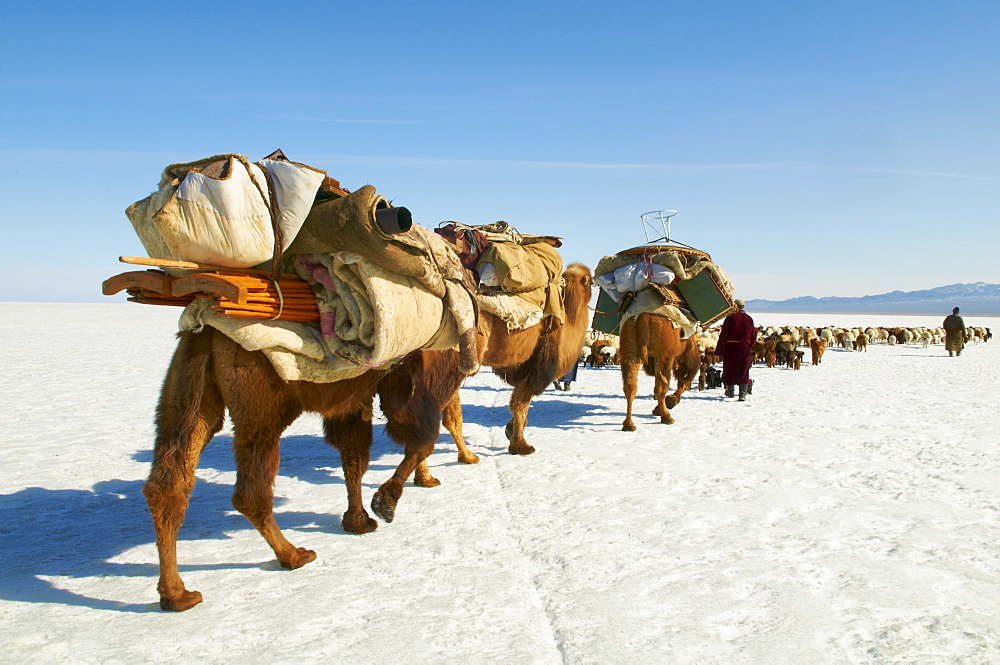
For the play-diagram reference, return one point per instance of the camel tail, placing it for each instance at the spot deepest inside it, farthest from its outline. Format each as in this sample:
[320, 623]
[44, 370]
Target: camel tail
[415, 392]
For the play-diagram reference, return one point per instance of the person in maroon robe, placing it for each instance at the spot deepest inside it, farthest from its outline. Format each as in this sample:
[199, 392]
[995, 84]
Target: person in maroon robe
[735, 343]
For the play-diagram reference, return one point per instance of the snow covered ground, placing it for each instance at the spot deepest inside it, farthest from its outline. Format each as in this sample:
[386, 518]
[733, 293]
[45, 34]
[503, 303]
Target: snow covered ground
[847, 513]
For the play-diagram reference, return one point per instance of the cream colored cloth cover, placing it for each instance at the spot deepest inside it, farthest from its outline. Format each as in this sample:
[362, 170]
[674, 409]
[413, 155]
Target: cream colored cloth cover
[296, 350]
[514, 310]
[226, 221]
[648, 302]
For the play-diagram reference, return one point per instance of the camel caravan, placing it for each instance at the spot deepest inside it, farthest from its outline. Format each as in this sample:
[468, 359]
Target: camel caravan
[298, 295]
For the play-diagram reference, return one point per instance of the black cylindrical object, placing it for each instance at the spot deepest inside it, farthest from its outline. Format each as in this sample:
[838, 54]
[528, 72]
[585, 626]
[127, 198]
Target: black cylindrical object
[393, 220]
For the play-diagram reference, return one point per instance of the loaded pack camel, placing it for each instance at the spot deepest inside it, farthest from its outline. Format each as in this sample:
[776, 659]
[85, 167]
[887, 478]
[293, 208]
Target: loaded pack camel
[210, 374]
[653, 343]
[529, 360]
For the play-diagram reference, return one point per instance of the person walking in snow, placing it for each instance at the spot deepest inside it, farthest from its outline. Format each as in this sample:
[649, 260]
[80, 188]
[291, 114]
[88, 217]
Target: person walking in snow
[954, 330]
[735, 346]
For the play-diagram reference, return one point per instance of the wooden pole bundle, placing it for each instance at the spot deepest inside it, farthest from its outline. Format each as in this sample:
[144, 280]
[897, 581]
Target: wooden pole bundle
[247, 293]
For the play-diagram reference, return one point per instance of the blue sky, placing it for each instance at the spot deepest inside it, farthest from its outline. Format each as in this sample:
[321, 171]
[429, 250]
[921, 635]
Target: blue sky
[813, 148]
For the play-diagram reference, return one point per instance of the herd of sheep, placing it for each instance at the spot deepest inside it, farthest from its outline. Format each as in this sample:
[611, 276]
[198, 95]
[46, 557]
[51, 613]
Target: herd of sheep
[602, 348]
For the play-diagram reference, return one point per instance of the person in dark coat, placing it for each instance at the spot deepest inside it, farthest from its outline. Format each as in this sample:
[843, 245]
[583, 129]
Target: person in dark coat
[735, 346]
[570, 377]
[954, 333]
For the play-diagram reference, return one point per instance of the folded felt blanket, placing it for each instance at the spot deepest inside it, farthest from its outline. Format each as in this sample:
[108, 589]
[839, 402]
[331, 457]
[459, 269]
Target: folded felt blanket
[372, 288]
[370, 315]
[532, 272]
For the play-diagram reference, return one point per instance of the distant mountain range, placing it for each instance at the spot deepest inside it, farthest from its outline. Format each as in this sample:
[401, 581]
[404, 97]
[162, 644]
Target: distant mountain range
[979, 299]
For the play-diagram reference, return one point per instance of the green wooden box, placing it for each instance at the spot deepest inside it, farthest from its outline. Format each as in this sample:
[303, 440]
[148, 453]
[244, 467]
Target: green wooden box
[704, 297]
[607, 317]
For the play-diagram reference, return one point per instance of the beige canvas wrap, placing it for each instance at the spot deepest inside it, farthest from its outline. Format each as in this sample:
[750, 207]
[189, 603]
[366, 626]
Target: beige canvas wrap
[224, 221]
[295, 350]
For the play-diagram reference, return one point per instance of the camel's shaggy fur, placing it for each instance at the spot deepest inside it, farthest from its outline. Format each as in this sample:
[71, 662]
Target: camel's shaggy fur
[210, 374]
[654, 343]
[529, 360]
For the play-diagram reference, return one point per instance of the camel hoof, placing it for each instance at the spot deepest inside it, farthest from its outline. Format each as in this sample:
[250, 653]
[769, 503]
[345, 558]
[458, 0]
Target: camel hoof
[425, 481]
[656, 410]
[301, 557]
[383, 506]
[186, 601]
[508, 429]
[468, 459]
[667, 420]
[628, 427]
[672, 401]
[520, 449]
[359, 523]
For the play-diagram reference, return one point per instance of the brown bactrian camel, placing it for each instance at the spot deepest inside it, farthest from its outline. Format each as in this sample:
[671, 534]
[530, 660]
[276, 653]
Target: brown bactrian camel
[529, 360]
[652, 342]
[210, 374]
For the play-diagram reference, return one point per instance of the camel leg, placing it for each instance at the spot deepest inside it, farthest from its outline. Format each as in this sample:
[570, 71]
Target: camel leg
[422, 476]
[520, 402]
[257, 458]
[660, 388]
[189, 414]
[387, 497]
[167, 491]
[630, 385]
[351, 434]
[451, 418]
[415, 424]
[684, 373]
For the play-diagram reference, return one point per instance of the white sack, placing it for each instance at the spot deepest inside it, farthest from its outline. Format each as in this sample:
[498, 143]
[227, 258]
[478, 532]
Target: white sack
[634, 277]
[224, 221]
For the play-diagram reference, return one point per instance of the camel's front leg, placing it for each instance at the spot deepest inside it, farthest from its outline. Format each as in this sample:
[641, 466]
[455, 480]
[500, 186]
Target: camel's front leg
[520, 402]
[387, 497]
[351, 434]
[682, 387]
[451, 418]
[413, 422]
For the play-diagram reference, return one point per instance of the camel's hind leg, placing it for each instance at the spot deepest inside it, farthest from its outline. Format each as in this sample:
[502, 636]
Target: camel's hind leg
[451, 417]
[520, 402]
[257, 456]
[630, 386]
[661, 387]
[260, 408]
[189, 413]
[351, 434]
[685, 369]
